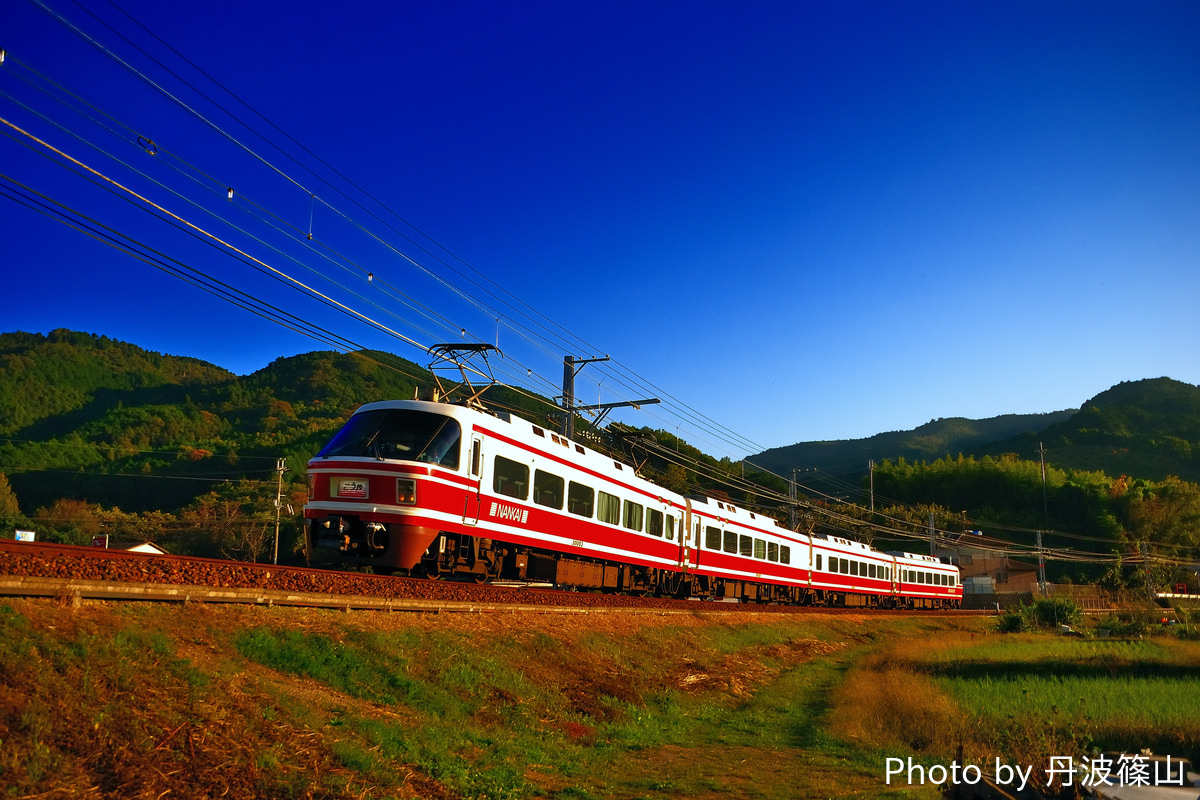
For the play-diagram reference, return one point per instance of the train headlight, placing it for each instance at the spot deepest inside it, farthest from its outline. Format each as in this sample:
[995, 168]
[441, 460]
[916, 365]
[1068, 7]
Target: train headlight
[406, 491]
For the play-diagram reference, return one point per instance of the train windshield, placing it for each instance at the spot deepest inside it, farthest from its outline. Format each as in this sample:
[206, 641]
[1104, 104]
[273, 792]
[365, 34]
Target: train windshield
[398, 433]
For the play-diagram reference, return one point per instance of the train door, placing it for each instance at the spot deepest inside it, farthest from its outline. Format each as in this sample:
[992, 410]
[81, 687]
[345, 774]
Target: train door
[812, 560]
[686, 539]
[475, 487]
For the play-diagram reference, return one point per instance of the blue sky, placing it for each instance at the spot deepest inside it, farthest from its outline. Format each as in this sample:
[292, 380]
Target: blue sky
[791, 221]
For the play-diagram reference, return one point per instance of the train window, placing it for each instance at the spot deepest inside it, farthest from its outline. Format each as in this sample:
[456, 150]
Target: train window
[746, 545]
[870, 570]
[712, 538]
[608, 508]
[511, 478]
[845, 566]
[633, 515]
[548, 489]
[730, 542]
[476, 456]
[398, 433]
[654, 522]
[772, 551]
[953, 581]
[579, 499]
[785, 554]
[670, 528]
[818, 560]
[833, 564]
[854, 567]
[760, 548]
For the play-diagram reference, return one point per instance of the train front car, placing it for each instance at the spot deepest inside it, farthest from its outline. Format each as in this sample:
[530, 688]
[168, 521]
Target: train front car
[386, 485]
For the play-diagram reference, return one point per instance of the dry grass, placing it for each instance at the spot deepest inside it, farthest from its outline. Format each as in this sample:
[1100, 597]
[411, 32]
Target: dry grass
[895, 708]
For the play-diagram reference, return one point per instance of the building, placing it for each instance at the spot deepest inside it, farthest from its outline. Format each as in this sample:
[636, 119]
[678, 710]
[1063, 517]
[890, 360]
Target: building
[987, 567]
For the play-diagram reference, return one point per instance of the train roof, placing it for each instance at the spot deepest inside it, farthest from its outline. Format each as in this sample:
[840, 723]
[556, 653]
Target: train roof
[532, 433]
[918, 557]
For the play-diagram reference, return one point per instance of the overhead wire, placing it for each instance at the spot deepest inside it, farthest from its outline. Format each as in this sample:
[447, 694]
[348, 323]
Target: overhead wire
[386, 286]
[501, 294]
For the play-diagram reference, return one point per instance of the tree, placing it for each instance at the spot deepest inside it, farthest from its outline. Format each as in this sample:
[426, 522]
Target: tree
[70, 521]
[10, 510]
[240, 518]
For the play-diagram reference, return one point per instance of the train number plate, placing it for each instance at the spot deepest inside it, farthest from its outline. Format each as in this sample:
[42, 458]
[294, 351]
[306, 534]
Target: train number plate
[354, 488]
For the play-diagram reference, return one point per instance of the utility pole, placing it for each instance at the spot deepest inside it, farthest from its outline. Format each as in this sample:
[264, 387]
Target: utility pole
[569, 407]
[1146, 562]
[1041, 565]
[792, 505]
[280, 467]
[569, 372]
[932, 536]
[1042, 453]
[871, 470]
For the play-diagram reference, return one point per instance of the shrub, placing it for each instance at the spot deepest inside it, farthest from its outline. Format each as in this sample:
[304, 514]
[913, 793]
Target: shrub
[1050, 612]
[1015, 620]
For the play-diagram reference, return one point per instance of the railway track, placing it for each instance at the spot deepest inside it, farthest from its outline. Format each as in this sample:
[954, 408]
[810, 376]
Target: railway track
[74, 574]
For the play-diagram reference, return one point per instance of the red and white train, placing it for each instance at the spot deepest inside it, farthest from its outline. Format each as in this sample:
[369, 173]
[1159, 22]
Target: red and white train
[436, 489]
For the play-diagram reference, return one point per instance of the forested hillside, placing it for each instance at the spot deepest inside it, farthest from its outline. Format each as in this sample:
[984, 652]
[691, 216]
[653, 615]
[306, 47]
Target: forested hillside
[1119, 474]
[831, 466]
[1148, 428]
[107, 422]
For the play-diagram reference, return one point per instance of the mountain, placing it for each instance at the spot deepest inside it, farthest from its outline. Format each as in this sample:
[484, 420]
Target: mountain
[1148, 428]
[833, 467]
[67, 373]
[90, 418]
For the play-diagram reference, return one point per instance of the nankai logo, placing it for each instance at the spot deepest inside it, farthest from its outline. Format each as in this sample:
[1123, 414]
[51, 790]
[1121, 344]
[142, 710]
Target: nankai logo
[348, 487]
[509, 513]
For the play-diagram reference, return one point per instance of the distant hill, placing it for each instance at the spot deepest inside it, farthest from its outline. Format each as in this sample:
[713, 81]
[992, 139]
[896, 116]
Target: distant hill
[1149, 429]
[91, 418]
[833, 467]
[66, 373]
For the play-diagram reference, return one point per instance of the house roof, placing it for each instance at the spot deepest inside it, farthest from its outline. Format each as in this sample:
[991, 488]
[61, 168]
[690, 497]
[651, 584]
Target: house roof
[138, 547]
